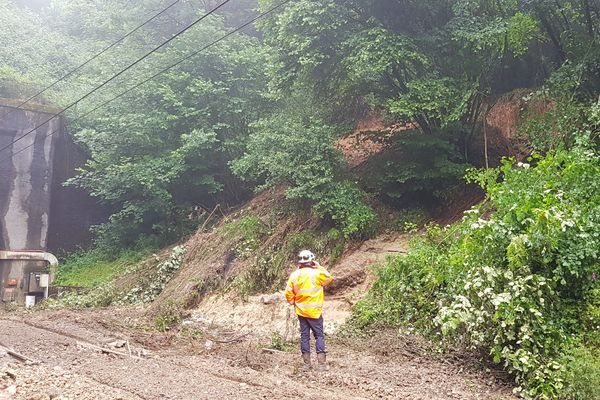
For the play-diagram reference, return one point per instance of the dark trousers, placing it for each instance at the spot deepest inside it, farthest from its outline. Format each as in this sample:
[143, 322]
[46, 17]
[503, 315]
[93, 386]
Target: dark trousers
[316, 326]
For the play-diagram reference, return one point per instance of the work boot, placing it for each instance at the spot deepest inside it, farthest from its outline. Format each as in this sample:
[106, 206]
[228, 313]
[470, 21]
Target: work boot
[306, 358]
[322, 359]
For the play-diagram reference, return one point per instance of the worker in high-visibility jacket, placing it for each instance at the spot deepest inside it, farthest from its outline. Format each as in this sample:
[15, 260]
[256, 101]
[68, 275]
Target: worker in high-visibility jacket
[305, 292]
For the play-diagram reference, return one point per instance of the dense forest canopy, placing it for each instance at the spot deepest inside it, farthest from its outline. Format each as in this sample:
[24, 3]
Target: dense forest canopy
[306, 76]
[266, 106]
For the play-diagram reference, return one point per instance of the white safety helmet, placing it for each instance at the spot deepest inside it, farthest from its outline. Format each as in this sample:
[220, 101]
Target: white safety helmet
[306, 257]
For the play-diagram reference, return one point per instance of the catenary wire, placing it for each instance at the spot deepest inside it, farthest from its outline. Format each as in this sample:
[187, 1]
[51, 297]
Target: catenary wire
[269, 11]
[148, 54]
[94, 57]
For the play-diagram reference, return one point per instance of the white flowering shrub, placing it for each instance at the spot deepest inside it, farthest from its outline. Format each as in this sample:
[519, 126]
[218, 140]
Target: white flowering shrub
[151, 288]
[519, 283]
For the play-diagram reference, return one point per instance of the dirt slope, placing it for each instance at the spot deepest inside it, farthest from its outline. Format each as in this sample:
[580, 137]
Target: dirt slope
[266, 313]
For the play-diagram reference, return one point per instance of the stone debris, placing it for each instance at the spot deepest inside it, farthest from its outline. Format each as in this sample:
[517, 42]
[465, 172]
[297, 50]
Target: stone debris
[3, 358]
[117, 344]
[37, 382]
[274, 298]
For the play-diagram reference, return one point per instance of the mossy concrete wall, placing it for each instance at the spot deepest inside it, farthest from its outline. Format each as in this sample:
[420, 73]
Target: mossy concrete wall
[26, 168]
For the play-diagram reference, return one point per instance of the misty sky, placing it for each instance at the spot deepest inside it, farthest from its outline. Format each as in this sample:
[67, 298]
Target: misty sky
[32, 3]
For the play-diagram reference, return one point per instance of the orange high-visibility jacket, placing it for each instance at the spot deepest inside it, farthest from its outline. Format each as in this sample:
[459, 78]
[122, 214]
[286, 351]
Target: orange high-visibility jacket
[305, 290]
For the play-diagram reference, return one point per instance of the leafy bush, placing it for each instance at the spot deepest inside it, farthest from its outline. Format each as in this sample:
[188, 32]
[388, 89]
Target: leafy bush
[409, 288]
[290, 150]
[546, 131]
[303, 240]
[150, 287]
[346, 204]
[409, 220]
[444, 100]
[518, 284]
[418, 168]
[169, 315]
[583, 374]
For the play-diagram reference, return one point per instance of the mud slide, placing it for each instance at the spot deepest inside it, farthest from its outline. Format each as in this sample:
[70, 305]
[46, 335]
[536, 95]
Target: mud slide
[105, 354]
[268, 313]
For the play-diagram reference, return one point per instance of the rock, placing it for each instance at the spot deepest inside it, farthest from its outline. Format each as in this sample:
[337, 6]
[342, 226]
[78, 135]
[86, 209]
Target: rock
[272, 298]
[117, 344]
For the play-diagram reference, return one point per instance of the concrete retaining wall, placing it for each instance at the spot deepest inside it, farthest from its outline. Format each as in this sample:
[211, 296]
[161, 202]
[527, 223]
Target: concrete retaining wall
[26, 177]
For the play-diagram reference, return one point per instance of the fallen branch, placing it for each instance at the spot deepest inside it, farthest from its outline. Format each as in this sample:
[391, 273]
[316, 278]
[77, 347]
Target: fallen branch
[108, 351]
[19, 356]
[218, 206]
[232, 340]
[274, 351]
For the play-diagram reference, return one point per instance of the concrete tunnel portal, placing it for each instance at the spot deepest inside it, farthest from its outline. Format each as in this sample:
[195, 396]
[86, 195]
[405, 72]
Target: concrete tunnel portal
[38, 215]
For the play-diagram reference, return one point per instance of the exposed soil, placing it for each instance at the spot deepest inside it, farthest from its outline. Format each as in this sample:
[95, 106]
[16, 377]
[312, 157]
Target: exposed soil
[502, 117]
[369, 138]
[185, 366]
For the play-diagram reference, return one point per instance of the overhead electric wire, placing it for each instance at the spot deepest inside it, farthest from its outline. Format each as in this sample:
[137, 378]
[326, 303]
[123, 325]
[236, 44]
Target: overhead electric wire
[94, 57]
[148, 54]
[269, 11]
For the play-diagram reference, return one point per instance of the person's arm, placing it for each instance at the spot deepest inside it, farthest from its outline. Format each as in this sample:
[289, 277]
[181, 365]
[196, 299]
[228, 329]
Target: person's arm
[289, 291]
[324, 277]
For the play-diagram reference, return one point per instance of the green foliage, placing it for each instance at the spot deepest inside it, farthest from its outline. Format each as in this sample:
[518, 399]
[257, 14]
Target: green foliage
[518, 284]
[408, 289]
[96, 267]
[418, 168]
[409, 220]
[565, 123]
[303, 240]
[37, 53]
[278, 342]
[151, 285]
[494, 28]
[346, 204]
[443, 100]
[251, 229]
[286, 149]
[299, 153]
[583, 373]
[169, 315]
[147, 279]
[142, 159]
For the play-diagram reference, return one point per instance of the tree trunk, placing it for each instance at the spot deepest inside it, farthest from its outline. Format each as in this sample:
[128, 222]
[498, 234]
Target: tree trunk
[553, 37]
[423, 124]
